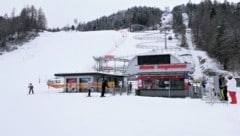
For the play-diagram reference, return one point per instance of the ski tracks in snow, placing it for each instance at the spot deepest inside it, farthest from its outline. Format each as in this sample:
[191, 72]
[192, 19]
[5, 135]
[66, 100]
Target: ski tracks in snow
[119, 42]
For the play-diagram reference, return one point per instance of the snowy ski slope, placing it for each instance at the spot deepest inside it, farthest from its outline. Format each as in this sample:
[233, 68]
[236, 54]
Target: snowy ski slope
[49, 113]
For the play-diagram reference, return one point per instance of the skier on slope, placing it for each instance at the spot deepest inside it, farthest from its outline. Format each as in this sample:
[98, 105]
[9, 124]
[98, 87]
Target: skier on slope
[30, 86]
[104, 85]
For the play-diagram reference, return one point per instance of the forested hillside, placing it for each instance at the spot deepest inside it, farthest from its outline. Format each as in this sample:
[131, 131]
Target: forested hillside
[144, 16]
[19, 29]
[216, 29]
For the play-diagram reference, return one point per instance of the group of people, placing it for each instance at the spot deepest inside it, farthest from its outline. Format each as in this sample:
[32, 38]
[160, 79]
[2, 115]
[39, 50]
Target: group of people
[104, 86]
[89, 87]
[225, 85]
[228, 85]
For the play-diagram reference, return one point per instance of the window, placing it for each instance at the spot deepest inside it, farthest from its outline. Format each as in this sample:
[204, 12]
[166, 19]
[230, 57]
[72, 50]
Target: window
[177, 84]
[84, 80]
[153, 59]
[164, 83]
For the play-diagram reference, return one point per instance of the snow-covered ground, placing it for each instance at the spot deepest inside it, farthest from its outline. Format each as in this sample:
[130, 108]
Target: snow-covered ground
[58, 114]
[49, 113]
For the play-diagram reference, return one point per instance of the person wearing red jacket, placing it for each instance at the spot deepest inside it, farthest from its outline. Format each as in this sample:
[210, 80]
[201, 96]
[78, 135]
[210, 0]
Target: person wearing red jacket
[232, 89]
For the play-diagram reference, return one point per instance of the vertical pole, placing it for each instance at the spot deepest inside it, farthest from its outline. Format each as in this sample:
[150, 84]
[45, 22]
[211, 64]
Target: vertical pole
[165, 39]
[114, 66]
[169, 93]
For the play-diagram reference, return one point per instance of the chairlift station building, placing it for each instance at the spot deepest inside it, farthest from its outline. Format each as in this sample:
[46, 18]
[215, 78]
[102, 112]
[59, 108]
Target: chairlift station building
[160, 75]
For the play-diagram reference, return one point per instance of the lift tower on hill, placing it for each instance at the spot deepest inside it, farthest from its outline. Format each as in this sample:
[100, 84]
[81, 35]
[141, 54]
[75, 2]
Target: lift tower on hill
[111, 64]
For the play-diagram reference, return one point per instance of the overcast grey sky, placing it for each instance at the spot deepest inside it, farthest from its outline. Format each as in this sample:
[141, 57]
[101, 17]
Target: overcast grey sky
[62, 12]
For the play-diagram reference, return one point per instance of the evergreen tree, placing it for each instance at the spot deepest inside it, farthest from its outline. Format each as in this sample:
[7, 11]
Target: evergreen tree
[41, 20]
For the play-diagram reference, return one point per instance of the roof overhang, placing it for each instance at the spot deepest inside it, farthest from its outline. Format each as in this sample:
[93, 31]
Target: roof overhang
[87, 74]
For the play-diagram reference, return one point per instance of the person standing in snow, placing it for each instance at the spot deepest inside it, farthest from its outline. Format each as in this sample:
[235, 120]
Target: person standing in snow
[30, 86]
[104, 85]
[89, 87]
[223, 88]
[232, 89]
[129, 87]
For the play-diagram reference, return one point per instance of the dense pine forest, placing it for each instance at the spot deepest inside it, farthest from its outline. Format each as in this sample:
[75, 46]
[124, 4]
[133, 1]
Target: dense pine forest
[216, 29]
[141, 16]
[15, 30]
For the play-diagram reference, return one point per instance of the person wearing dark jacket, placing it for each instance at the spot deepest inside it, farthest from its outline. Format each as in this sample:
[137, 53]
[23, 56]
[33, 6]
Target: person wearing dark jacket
[223, 88]
[30, 86]
[104, 85]
[129, 88]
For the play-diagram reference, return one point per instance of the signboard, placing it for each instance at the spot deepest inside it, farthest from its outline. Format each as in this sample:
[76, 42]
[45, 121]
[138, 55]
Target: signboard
[71, 80]
[108, 56]
[163, 66]
[107, 68]
[144, 77]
